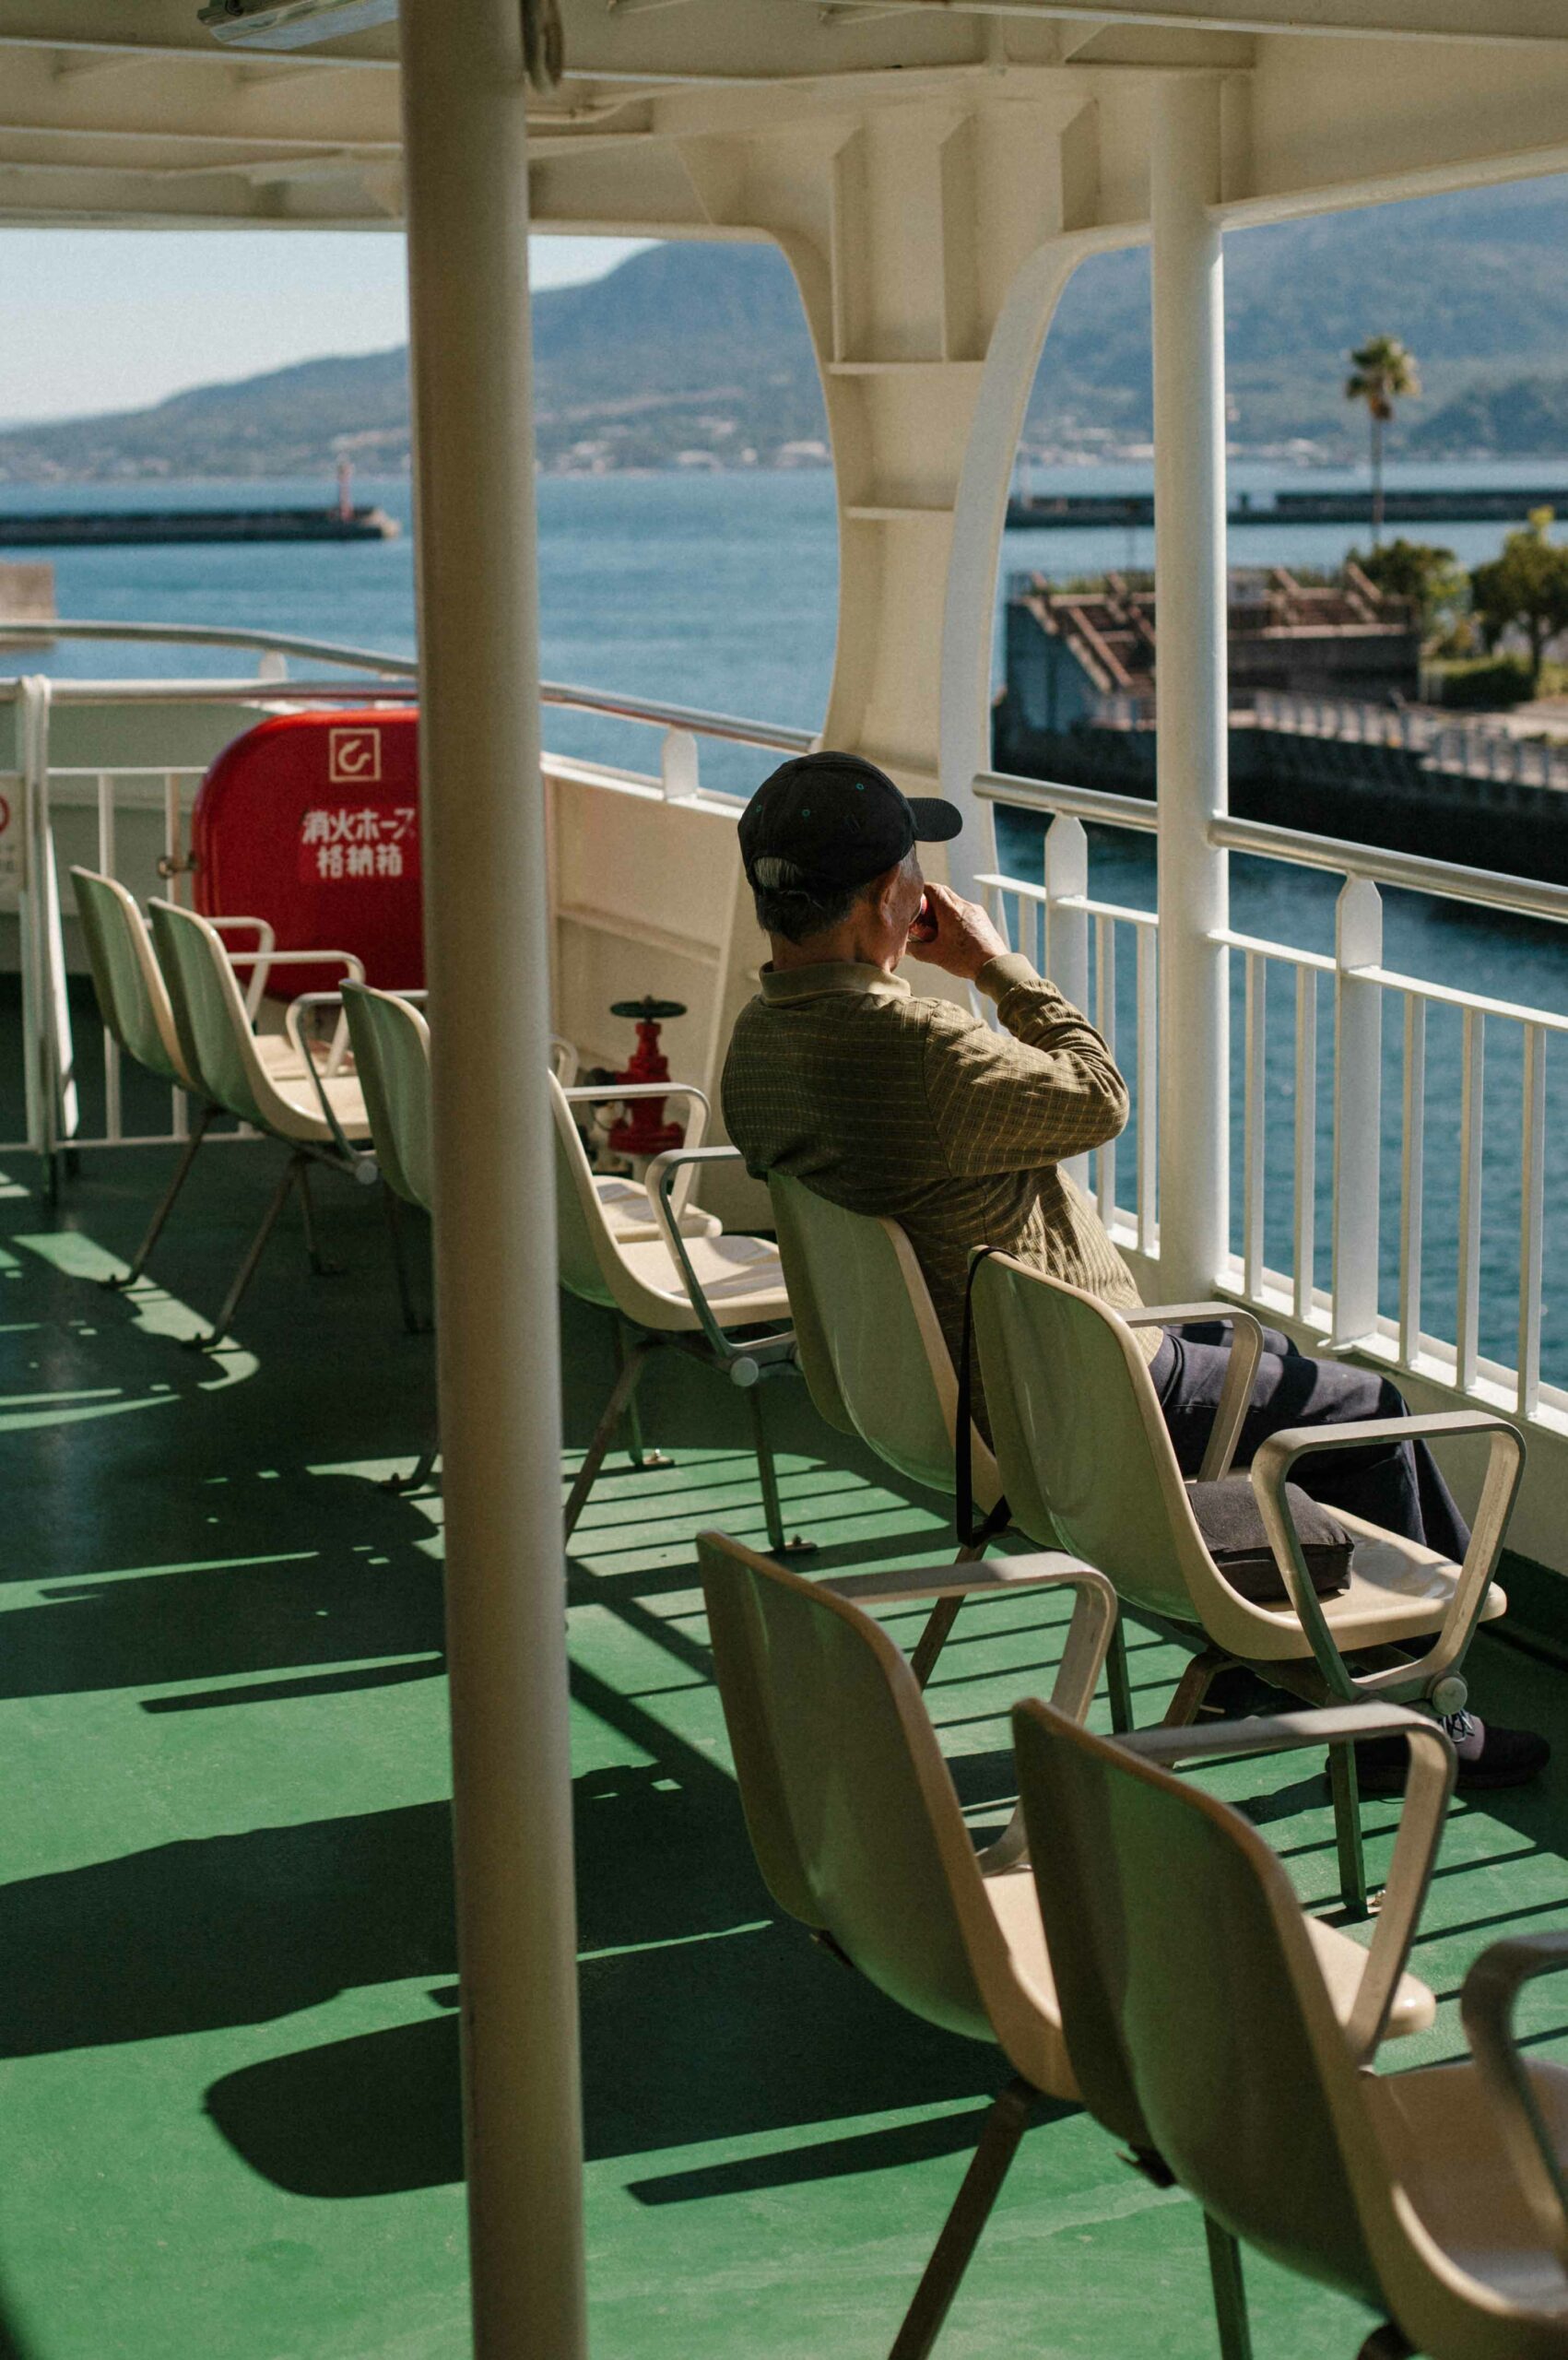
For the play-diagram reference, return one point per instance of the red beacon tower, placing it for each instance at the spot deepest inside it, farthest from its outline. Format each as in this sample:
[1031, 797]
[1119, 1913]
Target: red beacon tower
[642, 1130]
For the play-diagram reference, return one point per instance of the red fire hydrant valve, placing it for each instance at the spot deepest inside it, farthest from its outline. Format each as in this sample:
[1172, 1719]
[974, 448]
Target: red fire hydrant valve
[642, 1130]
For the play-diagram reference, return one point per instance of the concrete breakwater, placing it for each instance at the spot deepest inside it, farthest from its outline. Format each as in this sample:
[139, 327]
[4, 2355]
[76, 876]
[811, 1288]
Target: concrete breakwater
[127, 527]
[1500, 504]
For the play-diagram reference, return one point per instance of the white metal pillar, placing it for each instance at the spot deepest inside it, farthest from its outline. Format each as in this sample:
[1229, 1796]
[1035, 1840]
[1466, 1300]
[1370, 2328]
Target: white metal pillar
[1190, 508]
[487, 936]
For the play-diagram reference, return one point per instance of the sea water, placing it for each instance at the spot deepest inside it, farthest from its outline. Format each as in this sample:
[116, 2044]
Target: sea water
[720, 591]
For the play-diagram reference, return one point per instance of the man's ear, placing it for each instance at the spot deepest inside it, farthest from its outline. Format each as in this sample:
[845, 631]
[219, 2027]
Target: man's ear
[883, 892]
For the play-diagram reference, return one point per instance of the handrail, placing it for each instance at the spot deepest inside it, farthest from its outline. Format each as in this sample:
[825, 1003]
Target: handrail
[1449, 880]
[250, 691]
[728, 727]
[680, 716]
[1074, 802]
[265, 642]
[1413, 872]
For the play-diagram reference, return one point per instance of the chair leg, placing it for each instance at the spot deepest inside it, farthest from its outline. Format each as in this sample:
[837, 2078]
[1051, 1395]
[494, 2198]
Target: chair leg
[1230, 2292]
[319, 1264]
[291, 1172]
[625, 1385]
[1118, 1679]
[1005, 2126]
[940, 1621]
[768, 1474]
[934, 1638]
[1348, 1828]
[412, 1321]
[637, 1449]
[420, 1474]
[165, 1205]
[1193, 1687]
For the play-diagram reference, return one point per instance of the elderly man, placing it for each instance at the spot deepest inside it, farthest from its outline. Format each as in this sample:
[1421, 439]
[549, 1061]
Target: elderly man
[915, 1109]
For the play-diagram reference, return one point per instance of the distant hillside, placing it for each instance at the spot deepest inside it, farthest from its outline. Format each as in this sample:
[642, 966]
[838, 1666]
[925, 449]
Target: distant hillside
[697, 355]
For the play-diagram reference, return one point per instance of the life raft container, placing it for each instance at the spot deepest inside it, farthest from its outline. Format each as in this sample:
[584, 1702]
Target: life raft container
[312, 821]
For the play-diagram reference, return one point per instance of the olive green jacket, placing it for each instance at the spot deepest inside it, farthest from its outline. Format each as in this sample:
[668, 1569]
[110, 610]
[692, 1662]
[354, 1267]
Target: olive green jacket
[915, 1109]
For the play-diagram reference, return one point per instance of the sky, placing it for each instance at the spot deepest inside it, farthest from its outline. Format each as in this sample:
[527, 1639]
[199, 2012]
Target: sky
[112, 319]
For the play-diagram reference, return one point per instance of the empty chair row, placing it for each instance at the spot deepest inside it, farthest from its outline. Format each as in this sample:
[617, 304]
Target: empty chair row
[1151, 1962]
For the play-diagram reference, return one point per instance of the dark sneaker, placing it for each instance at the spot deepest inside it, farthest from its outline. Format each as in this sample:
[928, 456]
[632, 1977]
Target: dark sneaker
[1490, 1756]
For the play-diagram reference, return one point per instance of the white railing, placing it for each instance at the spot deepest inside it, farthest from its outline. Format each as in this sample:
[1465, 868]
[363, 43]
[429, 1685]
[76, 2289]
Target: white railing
[1358, 1301]
[40, 789]
[1330, 1280]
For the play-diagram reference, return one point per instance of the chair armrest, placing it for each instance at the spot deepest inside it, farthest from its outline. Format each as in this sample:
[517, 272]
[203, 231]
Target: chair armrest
[1486, 2005]
[1089, 1634]
[266, 935]
[293, 1026]
[660, 1179]
[363, 1166]
[1235, 1394]
[696, 1123]
[1271, 1471]
[1427, 1794]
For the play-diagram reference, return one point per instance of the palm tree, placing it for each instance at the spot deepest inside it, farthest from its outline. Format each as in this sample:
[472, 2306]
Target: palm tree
[1382, 372]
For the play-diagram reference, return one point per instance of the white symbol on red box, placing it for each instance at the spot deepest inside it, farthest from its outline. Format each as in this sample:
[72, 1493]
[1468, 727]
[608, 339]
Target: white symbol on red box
[353, 755]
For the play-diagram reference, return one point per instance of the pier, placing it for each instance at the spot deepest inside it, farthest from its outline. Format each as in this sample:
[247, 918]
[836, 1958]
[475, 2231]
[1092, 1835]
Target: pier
[127, 527]
[1500, 504]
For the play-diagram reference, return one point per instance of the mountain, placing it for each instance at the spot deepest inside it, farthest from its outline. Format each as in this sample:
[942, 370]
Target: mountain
[697, 354]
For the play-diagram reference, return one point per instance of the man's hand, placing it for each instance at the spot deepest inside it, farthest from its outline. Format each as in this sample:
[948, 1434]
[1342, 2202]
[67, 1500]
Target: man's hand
[964, 941]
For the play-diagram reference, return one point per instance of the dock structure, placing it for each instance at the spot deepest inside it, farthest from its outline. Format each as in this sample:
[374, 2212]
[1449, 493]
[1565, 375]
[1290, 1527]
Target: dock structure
[143, 527]
[1477, 504]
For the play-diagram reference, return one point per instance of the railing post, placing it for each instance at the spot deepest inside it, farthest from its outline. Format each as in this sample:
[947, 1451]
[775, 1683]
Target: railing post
[1190, 503]
[465, 99]
[677, 765]
[1067, 931]
[1358, 1109]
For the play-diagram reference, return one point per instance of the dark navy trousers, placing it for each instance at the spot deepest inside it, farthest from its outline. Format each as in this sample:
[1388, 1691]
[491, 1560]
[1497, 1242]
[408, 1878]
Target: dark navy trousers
[1397, 1485]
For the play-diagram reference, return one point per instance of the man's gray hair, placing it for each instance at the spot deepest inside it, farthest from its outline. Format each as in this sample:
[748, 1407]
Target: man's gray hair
[789, 902]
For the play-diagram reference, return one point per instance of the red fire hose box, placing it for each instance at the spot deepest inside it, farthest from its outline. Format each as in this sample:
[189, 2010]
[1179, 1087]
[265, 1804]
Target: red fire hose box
[312, 821]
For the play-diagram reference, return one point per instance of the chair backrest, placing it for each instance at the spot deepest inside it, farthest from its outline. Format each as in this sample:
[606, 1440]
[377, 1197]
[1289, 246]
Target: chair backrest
[586, 1248]
[392, 1058]
[1081, 1444]
[1192, 2001]
[852, 1814]
[216, 1040]
[874, 1356]
[133, 999]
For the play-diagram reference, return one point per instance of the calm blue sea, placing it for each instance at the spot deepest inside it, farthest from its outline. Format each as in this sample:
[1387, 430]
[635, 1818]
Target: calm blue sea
[719, 592]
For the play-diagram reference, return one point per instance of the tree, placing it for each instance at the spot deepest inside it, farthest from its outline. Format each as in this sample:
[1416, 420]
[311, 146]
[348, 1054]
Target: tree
[1382, 372]
[1428, 576]
[1524, 589]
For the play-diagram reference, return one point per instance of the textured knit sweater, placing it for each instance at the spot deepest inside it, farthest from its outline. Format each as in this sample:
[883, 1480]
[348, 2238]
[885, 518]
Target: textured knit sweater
[915, 1109]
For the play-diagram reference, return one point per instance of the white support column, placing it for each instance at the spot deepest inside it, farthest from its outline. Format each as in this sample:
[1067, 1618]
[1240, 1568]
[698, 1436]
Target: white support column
[486, 941]
[1190, 508]
[1358, 1110]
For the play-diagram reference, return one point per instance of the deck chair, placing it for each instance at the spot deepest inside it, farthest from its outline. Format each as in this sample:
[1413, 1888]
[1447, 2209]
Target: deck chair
[878, 1365]
[133, 1001]
[875, 1359]
[859, 1833]
[221, 1055]
[1197, 2009]
[1085, 1455]
[718, 1296]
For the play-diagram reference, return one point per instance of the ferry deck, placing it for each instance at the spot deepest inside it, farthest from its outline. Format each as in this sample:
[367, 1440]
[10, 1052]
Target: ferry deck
[285, 1747]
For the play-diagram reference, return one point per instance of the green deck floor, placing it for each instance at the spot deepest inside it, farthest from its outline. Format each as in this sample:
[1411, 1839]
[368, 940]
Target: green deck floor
[226, 1977]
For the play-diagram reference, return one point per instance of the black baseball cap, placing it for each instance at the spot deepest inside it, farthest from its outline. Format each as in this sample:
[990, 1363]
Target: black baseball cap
[838, 820]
